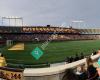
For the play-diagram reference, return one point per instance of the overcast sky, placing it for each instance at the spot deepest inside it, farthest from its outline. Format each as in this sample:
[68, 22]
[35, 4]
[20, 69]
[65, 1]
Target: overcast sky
[53, 12]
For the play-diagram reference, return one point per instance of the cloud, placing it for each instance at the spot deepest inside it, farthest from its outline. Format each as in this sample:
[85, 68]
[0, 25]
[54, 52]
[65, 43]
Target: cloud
[56, 12]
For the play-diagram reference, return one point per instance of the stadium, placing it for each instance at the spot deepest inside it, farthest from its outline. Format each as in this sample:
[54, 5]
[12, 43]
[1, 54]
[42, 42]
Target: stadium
[56, 43]
[64, 42]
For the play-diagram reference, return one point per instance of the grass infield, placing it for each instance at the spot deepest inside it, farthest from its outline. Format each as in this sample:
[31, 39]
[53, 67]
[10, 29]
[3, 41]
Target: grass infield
[54, 52]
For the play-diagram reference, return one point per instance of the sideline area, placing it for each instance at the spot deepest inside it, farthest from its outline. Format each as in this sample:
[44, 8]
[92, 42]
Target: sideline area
[54, 70]
[52, 73]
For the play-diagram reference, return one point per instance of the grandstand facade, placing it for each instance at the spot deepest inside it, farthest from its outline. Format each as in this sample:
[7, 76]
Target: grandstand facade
[42, 33]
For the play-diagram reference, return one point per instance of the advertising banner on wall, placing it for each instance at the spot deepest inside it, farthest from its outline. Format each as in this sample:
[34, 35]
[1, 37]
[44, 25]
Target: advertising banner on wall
[11, 74]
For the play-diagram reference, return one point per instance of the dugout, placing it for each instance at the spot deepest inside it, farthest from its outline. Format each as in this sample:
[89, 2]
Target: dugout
[2, 41]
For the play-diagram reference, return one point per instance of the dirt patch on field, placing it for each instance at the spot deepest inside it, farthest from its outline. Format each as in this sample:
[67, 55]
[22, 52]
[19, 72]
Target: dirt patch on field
[19, 46]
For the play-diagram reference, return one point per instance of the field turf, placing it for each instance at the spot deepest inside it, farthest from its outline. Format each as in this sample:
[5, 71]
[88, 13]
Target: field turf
[54, 52]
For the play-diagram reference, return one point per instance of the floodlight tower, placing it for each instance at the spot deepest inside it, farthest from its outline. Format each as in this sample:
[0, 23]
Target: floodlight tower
[12, 18]
[79, 22]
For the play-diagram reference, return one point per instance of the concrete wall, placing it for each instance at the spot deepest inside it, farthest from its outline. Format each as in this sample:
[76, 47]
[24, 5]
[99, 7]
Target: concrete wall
[52, 73]
[50, 77]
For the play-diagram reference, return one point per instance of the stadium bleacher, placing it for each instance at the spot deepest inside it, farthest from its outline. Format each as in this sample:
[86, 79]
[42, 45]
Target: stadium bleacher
[44, 32]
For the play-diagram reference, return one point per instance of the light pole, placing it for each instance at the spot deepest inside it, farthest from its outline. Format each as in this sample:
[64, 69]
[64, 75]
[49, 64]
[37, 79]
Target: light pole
[77, 21]
[12, 18]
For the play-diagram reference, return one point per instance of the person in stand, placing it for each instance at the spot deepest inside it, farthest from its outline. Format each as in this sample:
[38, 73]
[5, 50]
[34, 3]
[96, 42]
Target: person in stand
[94, 53]
[71, 59]
[76, 57]
[91, 70]
[82, 56]
[67, 60]
[70, 75]
[81, 72]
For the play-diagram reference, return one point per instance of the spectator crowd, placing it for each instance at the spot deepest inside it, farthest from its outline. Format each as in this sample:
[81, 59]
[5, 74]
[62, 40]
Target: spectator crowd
[85, 71]
[42, 33]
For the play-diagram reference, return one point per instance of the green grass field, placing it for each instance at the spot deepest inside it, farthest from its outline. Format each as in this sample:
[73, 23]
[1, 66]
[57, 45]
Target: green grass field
[54, 52]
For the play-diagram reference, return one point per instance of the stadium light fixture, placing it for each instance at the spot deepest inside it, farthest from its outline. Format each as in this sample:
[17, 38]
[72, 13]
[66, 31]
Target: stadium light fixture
[14, 18]
[78, 22]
